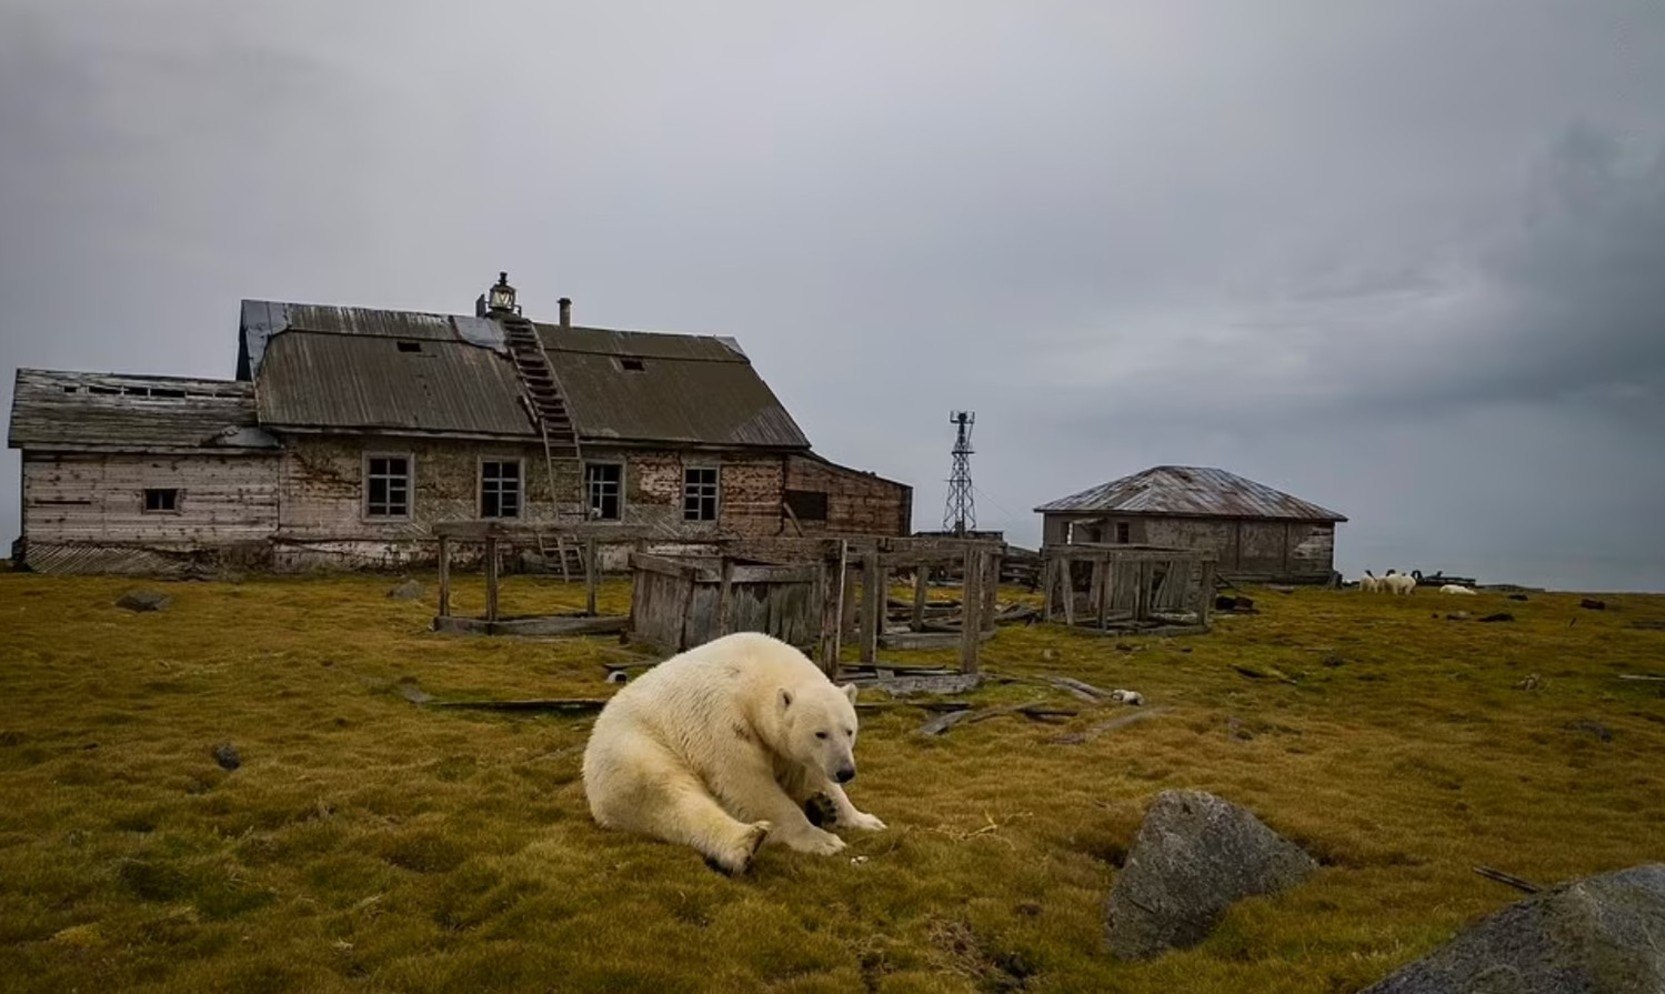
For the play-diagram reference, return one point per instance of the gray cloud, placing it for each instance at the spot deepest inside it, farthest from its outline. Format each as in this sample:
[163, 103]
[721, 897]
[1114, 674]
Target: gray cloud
[1400, 259]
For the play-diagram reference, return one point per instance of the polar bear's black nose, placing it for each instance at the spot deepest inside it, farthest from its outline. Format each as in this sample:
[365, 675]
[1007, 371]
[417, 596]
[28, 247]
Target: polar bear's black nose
[846, 774]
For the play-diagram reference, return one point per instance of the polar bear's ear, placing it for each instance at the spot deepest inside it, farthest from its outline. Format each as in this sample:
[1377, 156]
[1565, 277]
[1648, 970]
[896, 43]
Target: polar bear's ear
[785, 698]
[849, 691]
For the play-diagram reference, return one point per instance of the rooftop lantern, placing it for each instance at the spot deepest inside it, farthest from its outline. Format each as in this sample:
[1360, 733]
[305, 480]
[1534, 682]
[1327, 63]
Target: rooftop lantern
[501, 298]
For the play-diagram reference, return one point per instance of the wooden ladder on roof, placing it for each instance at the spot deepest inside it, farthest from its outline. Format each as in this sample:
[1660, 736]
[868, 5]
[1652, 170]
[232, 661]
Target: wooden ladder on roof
[549, 410]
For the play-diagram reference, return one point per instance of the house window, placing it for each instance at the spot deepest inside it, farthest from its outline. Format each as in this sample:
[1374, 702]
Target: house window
[603, 484]
[500, 488]
[387, 486]
[410, 346]
[1123, 533]
[807, 505]
[160, 500]
[632, 365]
[699, 494]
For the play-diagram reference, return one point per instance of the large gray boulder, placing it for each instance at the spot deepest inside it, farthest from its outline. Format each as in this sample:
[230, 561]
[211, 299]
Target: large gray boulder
[1598, 935]
[1194, 856]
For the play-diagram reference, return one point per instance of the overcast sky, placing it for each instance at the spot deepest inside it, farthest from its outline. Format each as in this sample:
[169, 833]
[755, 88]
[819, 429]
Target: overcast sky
[1406, 260]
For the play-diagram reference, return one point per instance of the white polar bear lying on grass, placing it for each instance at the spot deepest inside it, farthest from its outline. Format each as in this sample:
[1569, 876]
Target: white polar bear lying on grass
[722, 747]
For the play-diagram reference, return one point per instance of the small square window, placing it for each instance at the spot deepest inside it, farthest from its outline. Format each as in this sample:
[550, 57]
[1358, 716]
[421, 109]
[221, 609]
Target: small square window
[387, 487]
[699, 494]
[1123, 533]
[500, 488]
[160, 500]
[603, 485]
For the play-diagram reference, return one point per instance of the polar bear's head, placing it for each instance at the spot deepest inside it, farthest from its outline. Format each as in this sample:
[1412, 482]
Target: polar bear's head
[818, 728]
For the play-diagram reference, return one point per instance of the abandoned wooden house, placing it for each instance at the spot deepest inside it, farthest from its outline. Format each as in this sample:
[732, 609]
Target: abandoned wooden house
[1254, 532]
[348, 433]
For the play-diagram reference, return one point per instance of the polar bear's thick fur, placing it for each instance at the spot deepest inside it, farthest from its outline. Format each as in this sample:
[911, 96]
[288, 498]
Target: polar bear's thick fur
[721, 747]
[1369, 583]
[1455, 588]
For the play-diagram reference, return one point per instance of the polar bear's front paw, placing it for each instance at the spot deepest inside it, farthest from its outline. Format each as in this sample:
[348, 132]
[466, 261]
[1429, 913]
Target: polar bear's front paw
[866, 822]
[816, 841]
[738, 857]
[821, 811]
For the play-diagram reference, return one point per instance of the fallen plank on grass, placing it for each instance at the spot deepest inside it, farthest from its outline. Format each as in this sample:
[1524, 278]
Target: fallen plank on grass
[1642, 676]
[1525, 886]
[1033, 709]
[1094, 731]
[560, 705]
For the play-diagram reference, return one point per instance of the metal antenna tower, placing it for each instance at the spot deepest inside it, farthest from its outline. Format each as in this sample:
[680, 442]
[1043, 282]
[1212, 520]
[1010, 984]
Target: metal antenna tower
[961, 514]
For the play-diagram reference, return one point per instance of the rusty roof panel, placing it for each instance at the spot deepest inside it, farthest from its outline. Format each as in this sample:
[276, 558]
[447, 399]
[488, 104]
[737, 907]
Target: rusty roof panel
[1192, 491]
[53, 409]
[337, 381]
[648, 387]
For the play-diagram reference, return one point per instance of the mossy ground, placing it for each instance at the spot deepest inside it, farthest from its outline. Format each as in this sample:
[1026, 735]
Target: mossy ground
[368, 844]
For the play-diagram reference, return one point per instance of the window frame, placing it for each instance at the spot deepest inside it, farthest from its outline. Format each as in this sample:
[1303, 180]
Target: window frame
[144, 500]
[480, 488]
[410, 486]
[821, 497]
[716, 495]
[589, 505]
[1123, 532]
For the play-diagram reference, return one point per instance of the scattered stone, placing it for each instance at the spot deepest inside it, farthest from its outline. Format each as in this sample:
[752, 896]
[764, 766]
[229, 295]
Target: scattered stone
[410, 590]
[1130, 697]
[1049, 655]
[1592, 936]
[1589, 727]
[1591, 604]
[1458, 616]
[1530, 683]
[1517, 597]
[1195, 855]
[226, 755]
[144, 600]
[1499, 616]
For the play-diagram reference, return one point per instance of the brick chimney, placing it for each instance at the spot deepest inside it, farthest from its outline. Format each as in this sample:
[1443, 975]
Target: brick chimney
[566, 312]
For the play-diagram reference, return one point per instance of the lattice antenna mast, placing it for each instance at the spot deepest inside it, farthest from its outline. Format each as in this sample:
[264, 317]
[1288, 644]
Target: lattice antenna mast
[961, 514]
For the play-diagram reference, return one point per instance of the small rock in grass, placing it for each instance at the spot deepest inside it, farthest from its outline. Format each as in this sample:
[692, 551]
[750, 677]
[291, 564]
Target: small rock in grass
[144, 600]
[1499, 616]
[226, 755]
[1591, 604]
[410, 590]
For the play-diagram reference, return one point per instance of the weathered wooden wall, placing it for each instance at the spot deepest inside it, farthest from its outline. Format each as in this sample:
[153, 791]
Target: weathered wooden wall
[321, 519]
[1253, 549]
[98, 497]
[677, 604]
[858, 503]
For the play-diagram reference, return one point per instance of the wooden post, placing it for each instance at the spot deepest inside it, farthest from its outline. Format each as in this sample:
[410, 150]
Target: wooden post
[842, 605]
[991, 589]
[1206, 610]
[828, 638]
[1141, 603]
[1100, 567]
[1049, 573]
[971, 609]
[491, 578]
[592, 576]
[725, 602]
[444, 576]
[872, 606]
[1067, 583]
[1101, 580]
[921, 579]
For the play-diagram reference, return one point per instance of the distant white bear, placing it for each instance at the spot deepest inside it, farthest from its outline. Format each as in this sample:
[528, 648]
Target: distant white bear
[1398, 583]
[721, 747]
[1456, 588]
[1369, 583]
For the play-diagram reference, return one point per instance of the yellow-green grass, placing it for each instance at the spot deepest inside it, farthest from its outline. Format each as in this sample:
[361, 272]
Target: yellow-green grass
[369, 844]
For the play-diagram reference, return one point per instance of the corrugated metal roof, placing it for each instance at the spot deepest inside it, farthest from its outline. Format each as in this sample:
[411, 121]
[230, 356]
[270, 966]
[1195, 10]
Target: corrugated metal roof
[53, 409]
[650, 387]
[263, 319]
[1194, 491]
[339, 381]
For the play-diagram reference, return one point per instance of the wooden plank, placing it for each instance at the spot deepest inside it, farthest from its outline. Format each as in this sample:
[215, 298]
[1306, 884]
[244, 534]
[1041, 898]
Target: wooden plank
[592, 574]
[921, 581]
[444, 576]
[991, 589]
[826, 638]
[1101, 589]
[491, 579]
[971, 611]
[843, 580]
[1068, 583]
[1049, 571]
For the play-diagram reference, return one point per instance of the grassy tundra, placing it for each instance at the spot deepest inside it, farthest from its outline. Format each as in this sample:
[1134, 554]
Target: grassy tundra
[368, 844]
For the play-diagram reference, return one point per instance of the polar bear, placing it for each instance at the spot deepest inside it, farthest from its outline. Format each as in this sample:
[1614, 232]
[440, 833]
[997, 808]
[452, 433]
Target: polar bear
[721, 747]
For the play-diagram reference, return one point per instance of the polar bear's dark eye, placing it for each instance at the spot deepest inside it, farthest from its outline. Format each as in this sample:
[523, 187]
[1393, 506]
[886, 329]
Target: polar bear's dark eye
[820, 735]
